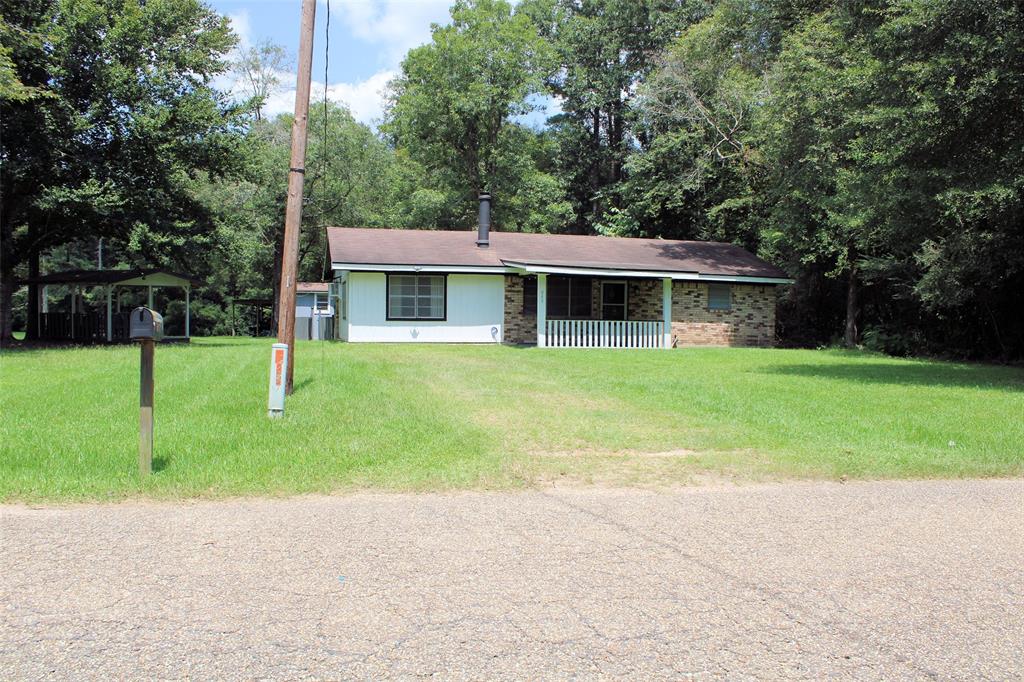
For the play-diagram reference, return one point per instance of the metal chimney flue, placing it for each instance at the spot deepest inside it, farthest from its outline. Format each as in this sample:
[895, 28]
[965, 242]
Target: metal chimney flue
[483, 227]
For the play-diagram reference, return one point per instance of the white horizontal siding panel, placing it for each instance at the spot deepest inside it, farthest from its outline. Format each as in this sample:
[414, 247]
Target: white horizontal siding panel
[476, 311]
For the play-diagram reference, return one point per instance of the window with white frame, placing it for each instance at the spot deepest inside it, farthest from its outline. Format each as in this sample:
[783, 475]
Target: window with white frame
[416, 297]
[719, 297]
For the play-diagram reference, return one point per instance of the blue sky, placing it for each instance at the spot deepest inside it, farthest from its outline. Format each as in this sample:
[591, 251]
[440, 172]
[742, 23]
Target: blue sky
[368, 39]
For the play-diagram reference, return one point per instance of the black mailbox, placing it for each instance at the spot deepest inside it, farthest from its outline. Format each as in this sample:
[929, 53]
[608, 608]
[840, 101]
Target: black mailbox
[146, 324]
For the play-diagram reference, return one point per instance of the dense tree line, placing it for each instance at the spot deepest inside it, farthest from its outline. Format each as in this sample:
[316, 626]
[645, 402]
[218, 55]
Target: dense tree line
[875, 149]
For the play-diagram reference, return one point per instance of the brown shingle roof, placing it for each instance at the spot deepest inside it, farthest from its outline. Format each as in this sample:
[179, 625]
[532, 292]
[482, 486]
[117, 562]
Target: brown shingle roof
[372, 246]
[311, 287]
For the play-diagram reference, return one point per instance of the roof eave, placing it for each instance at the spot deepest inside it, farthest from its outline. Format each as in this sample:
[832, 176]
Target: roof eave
[682, 275]
[435, 267]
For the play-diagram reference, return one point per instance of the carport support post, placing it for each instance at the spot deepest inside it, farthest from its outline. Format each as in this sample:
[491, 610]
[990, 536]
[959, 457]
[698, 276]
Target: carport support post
[188, 313]
[666, 311]
[542, 310]
[146, 408]
[110, 318]
[149, 296]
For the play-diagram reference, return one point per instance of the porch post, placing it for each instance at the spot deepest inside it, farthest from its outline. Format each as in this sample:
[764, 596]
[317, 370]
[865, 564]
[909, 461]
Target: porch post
[188, 311]
[149, 290]
[666, 311]
[74, 309]
[542, 310]
[44, 302]
[110, 317]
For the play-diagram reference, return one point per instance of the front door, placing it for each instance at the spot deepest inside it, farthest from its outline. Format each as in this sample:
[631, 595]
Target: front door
[613, 300]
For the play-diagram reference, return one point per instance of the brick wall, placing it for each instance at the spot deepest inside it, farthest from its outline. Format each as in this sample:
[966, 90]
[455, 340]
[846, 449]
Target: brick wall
[750, 321]
[644, 299]
[519, 328]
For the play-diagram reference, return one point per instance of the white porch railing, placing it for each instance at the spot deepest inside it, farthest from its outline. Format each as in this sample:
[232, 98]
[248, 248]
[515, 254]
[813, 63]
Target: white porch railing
[605, 334]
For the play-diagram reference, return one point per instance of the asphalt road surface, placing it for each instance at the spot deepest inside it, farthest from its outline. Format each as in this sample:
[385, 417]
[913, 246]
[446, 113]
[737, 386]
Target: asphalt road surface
[806, 580]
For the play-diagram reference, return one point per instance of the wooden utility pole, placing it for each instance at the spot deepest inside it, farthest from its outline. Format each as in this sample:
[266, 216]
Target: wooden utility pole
[296, 177]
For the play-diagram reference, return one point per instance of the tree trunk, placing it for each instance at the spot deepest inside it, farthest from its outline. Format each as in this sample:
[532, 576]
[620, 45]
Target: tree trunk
[595, 168]
[850, 337]
[6, 302]
[32, 325]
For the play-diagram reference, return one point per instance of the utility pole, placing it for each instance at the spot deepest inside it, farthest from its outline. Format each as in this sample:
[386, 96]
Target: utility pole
[296, 177]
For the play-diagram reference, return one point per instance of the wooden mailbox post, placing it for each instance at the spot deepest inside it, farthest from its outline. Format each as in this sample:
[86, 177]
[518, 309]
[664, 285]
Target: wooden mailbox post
[146, 327]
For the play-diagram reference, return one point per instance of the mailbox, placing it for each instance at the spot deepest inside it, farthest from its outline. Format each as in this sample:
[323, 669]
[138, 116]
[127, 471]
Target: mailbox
[146, 324]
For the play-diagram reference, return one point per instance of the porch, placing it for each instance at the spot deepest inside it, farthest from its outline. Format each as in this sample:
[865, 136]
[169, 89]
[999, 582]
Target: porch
[593, 311]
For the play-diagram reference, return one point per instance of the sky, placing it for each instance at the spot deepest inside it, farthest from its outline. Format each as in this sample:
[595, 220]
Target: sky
[368, 39]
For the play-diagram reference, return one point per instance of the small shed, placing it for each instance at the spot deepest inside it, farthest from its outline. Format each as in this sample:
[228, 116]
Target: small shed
[314, 312]
[105, 323]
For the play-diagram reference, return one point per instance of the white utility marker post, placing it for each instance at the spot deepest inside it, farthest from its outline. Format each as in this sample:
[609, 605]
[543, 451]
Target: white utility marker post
[542, 310]
[666, 312]
[278, 379]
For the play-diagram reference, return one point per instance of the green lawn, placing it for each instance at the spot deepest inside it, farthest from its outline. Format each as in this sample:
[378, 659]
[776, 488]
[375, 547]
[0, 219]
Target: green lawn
[419, 417]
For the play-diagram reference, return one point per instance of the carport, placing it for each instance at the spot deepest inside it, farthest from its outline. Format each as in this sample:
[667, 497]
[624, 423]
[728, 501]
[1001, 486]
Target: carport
[108, 323]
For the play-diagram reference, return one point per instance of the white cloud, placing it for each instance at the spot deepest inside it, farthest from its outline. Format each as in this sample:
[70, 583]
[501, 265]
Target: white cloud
[393, 25]
[242, 27]
[365, 99]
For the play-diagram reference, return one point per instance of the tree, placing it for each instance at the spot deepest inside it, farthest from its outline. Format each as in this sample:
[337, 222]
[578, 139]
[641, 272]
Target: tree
[605, 49]
[125, 115]
[452, 106]
[259, 69]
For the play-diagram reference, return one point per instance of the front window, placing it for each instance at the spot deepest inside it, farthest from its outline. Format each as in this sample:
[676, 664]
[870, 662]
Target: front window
[416, 297]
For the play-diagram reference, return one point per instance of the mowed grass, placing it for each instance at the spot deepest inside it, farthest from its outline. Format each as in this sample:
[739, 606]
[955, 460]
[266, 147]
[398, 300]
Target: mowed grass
[415, 417]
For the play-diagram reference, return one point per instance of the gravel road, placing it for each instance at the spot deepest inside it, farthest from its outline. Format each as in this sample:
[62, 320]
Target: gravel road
[804, 580]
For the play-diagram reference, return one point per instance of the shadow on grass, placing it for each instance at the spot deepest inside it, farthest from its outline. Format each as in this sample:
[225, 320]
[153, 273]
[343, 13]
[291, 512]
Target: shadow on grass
[299, 385]
[930, 374]
[161, 462]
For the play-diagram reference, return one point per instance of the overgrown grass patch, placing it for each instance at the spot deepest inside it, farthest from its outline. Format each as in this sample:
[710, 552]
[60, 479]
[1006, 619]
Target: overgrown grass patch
[415, 417]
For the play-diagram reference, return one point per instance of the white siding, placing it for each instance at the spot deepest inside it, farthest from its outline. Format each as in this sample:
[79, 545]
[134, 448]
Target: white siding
[303, 305]
[476, 305]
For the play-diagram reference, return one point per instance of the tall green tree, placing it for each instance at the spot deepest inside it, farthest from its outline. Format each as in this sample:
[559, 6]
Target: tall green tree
[123, 115]
[604, 49]
[258, 69]
[453, 107]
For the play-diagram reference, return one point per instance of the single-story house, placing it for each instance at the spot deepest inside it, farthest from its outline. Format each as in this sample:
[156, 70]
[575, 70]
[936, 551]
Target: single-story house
[313, 311]
[549, 290]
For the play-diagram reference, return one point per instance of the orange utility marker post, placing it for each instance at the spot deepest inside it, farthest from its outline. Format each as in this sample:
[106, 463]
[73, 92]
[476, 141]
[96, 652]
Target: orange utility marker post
[278, 371]
[146, 327]
[293, 209]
